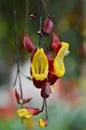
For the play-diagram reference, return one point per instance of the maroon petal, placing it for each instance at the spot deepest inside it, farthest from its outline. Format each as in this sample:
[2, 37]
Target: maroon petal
[39, 84]
[34, 111]
[49, 55]
[17, 96]
[26, 100]
[28, 44]
[51, 67]
[48, 26]
[54, 41]
[57, 48]
[52, 78]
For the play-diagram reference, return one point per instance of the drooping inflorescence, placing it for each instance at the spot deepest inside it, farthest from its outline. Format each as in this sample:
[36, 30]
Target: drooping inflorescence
[47, 64]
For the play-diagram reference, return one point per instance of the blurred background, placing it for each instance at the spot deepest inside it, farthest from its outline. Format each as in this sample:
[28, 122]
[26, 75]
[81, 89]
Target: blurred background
[67, 107]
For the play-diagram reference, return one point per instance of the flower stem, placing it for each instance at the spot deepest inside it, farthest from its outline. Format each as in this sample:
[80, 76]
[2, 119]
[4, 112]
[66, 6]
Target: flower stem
[42, 106]
[46, 117]
[17, 54]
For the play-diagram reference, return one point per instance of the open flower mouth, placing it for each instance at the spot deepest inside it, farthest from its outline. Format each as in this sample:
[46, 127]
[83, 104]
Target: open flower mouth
[58, 62]
[39, 65]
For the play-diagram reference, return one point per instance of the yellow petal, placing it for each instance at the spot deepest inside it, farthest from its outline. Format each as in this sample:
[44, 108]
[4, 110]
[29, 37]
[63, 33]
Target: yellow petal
[42, 123]
[24, 113]
[39, 65]
[58, 62]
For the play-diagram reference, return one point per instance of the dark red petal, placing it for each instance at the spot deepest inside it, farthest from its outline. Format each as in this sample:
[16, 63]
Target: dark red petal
[48, 26]
[28, 44]
[34, 111]
[32, 54]
[54, 41]
[39, 84]
[45, 92]
[52, 78]
[58, 48]
[51, 75]
[51, 67]
[26, 100]
[17, 96]
[49, 55]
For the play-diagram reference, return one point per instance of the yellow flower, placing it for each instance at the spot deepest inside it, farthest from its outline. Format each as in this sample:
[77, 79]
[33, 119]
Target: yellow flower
[39, 65]
[24, 113]
[42, 123]
[58, 62]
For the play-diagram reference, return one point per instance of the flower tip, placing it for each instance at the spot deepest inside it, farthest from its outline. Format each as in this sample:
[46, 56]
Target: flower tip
[42, 123]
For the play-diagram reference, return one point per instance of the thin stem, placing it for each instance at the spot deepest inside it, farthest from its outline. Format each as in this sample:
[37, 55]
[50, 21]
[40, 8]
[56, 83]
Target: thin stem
[15, 80]
[46, 118]
[26, 16]
[33, 17]
[17, 53]
[46, 12]
[40, 22]
[42, 106]
[17, 56]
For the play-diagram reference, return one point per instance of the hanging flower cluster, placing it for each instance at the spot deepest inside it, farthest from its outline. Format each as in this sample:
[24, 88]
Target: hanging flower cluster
[47, 65]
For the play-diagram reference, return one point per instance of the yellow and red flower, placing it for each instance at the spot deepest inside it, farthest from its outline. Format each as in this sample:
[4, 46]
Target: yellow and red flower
[39, 68]
[56, 63]
[28, 112]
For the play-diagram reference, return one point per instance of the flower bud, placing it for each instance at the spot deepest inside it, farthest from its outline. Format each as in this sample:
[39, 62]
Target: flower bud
[45, 92]
[42, 123]
[48, 26]
[28, 44]
[54, 41]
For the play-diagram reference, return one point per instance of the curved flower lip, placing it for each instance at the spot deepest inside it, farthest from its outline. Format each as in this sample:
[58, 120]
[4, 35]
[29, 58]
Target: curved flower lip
[23, 113]
[40, 84]
[58, 62]
[39, 66]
